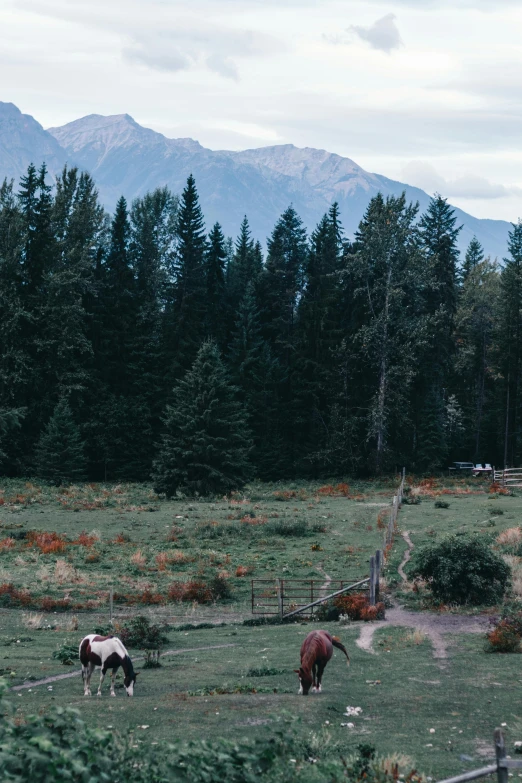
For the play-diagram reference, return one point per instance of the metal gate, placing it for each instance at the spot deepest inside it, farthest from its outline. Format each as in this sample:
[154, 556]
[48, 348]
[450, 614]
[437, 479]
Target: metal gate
[282, 596]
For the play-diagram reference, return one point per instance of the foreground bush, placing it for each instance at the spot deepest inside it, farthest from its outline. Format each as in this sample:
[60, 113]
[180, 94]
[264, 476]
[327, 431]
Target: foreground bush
[355, 606]
[463, 570]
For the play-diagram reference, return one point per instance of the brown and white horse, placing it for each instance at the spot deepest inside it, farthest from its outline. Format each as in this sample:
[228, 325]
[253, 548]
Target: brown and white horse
[316, 651]
[109, 653]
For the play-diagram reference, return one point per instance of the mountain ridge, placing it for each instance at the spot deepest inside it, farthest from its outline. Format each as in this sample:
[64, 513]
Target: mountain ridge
[128, 159]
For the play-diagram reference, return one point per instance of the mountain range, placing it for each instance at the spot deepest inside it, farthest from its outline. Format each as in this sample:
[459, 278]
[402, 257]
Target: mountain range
[127, 159]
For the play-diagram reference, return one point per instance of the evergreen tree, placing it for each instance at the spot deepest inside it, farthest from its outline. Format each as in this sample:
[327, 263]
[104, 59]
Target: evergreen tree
[474, 365]
[474, 256]
[509, 350]
[119, 304]
[245, 265]
[215, 299]
[59, 456]
[388, 280]
[189, 288]
[319, 334]
[206, 443]
[439, 235]
[279, 288]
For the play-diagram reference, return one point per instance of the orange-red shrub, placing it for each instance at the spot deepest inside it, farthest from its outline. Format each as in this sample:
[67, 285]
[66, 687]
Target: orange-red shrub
[357, 607]
[247, 520]
[194, 590]
[7, 543]
[242, 570]
[84, 539]
[47, 543]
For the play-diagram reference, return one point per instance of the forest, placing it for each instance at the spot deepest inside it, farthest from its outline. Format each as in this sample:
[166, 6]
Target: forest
[324, 356]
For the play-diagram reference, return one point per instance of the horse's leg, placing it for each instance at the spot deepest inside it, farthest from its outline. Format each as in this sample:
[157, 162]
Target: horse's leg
[113, 681]
[102, 677]
[321, 667]
[84, 678]
[314, 678]
[88, 674]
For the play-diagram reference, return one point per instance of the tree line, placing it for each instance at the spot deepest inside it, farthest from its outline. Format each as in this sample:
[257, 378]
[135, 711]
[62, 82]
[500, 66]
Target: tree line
[328, 356]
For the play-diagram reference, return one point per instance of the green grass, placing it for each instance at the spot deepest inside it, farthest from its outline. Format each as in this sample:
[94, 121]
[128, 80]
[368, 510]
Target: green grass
[238, 690]
[463, 701]
[268, 532]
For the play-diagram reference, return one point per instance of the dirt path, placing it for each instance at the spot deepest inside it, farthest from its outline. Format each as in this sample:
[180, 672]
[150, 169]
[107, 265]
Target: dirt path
[434, 626]
[407, 555]
[76, 673]
[324, 587]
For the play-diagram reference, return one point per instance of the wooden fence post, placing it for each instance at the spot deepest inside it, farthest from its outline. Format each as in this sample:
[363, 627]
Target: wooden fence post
[378, 564]
[280, 597]
[500, 752]
[372, 580]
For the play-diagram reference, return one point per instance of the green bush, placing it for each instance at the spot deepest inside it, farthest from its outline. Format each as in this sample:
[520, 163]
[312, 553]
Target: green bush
[463, 570]
[67, 654]
[442, 504]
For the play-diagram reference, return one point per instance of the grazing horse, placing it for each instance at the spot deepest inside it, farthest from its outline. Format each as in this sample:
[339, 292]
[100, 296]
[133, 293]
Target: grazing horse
[109, 653]
[316, 651]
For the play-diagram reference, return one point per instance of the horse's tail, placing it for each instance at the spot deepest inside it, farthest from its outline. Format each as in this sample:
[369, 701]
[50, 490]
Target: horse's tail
[340, 646]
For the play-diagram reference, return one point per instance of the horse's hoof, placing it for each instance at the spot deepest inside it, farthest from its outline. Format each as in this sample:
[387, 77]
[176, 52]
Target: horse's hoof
[113, 694]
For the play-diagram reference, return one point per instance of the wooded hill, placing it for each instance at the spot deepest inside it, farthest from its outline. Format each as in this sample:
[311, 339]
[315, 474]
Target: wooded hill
[345, 357]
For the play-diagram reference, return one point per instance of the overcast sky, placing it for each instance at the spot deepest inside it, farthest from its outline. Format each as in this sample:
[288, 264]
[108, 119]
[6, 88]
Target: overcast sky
[425, 91]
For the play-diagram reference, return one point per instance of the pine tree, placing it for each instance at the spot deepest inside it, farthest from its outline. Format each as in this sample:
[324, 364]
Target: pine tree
[215, 299]
[59, 455]
[509, 350]
[245, 264]
[318, 334]
[475, 362]
[119, 304]
[189, 289]
[206, 443]
[474, 256]
[279, 288]
[439, 235]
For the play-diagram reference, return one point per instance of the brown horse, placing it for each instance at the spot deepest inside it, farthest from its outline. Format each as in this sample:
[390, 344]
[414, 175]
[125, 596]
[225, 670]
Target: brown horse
[316, 651]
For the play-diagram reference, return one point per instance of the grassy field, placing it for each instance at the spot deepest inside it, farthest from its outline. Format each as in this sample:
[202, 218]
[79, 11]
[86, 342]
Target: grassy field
[211, 688]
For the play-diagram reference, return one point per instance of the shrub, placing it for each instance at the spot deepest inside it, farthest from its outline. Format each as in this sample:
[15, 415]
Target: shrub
[441, 504]
[463, 570]
[355, 606]
[48, 543]
[11, 596]
[66, 654]
[141, 633]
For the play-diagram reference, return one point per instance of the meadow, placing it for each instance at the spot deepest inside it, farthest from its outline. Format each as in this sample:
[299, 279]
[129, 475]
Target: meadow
[237, 680]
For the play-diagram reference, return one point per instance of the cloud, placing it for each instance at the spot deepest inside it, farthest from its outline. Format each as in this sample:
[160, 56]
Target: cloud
[382, 34]
[165, 38]
[468, 186]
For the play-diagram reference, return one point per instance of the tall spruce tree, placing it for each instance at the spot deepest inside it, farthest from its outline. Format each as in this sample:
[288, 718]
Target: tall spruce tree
[509, 350]
[189, 288]
[439, 234]
[279, 287]
[475, 368]
[318, 336]
[215, 298]
[474, 256]
[59, 456]
[206, 442]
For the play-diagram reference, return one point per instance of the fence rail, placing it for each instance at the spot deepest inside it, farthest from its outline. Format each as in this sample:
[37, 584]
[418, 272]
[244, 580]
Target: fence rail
[500, 768]
[509, 477]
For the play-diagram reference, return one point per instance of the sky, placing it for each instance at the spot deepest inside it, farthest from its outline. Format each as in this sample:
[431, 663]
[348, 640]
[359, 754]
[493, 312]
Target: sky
[428, 92]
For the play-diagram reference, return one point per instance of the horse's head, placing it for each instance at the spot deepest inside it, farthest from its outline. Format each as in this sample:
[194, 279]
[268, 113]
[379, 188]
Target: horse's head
[305, 681]
[129, 681]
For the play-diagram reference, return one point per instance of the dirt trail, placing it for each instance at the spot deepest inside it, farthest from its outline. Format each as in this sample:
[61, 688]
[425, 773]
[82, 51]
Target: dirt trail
[434, 626]
[324, 587]
[77, 673]
[407, 555]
